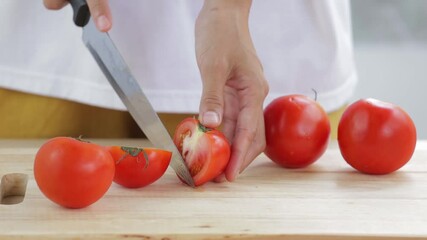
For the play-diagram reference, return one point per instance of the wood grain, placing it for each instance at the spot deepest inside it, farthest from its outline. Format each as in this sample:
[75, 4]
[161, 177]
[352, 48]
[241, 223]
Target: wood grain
[328, 200]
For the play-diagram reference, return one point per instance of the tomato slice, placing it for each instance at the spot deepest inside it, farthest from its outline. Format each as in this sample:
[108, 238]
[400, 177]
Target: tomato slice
[139, 167]
[206, 151]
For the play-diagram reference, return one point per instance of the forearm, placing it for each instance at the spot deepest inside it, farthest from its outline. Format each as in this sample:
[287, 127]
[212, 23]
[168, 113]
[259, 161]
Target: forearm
[219, 18]
[240, 4]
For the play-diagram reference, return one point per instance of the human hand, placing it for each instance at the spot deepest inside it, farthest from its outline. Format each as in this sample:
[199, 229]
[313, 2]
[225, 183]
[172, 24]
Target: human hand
[99, 10]
[234, 87]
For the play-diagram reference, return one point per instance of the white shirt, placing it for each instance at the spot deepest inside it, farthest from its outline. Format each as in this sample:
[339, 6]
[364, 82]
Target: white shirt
[302, 44]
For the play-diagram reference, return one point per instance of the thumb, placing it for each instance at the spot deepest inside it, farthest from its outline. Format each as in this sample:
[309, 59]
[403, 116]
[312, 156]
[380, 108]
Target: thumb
[212, 102]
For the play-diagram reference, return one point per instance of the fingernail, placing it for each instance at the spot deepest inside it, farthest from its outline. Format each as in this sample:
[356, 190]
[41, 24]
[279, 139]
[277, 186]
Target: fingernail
[210, 119]
[233, 176]
[221, 178]
[103, 23]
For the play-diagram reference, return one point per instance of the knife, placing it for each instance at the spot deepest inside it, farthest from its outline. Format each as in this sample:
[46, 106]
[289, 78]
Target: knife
[118, 74]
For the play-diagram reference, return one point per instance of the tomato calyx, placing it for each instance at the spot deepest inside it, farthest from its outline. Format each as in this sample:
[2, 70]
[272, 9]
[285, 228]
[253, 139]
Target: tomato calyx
[204, 128]
[134, 152]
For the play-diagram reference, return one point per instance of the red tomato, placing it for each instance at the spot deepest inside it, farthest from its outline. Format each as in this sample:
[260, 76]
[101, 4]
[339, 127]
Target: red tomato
[206, 151]
[297, 131]
[137, 167]
[376, 137]
[73, 173]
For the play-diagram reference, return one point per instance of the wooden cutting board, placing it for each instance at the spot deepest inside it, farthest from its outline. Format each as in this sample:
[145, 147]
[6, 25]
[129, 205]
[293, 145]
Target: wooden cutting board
[328, 200]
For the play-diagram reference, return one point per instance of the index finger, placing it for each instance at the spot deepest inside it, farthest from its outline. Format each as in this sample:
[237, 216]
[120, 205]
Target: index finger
[101, 14]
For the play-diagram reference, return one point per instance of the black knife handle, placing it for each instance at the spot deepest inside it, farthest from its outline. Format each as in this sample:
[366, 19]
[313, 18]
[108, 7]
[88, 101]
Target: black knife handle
[81, 12]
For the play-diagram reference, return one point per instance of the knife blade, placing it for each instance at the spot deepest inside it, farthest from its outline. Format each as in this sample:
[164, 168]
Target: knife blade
[118, 74]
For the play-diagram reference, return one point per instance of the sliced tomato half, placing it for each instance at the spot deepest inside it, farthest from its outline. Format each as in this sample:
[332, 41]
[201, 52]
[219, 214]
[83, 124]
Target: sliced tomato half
[206, 151]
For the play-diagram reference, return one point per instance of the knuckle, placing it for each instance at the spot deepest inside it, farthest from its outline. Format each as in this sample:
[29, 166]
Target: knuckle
[259, 92]
[96, 4]
[259, 88]
[212, 99]
[97, 7]
[265, 88]
[262, 87]
[217, 65]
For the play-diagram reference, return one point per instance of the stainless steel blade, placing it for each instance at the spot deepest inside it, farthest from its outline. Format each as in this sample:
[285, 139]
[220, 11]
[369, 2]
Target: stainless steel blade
[118, 74]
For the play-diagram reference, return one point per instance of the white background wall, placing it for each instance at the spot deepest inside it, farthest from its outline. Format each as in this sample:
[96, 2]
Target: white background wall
[390, 38]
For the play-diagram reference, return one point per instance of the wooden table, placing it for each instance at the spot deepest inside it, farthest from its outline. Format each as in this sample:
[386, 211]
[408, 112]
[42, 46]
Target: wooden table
[328, 200]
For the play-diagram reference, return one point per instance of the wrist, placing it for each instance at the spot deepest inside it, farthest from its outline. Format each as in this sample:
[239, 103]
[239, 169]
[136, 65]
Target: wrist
[240, 7]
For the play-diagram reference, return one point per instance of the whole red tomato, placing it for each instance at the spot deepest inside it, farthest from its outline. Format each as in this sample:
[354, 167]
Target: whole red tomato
[73, 173]
[137, 167]
[206, 151]
[297, 131]
[376, 137]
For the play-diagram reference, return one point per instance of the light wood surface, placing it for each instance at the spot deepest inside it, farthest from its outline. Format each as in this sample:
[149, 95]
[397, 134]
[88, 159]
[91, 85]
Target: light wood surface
[328, 200]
